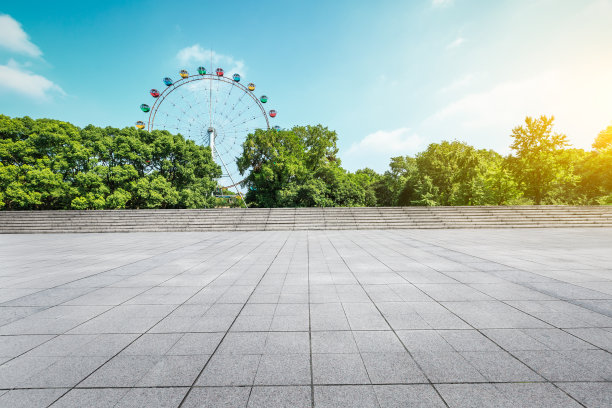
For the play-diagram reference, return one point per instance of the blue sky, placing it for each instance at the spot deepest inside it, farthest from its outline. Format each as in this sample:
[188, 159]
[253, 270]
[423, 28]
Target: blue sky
[389, 76]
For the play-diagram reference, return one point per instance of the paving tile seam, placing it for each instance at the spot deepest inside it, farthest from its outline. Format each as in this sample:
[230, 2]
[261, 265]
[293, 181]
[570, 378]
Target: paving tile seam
[233, 322]
[312, 389]
[108, 270]
[484, 334]
[348, 297]
[388, 324]
[506, 301]
[459, 317]
[111, 308]
[305, 384]
[162, 318]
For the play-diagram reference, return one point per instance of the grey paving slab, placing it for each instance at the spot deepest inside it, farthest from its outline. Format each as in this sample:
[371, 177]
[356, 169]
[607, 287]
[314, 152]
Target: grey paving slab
[30, 398]
[218, 397]
[280, 397]
[328, 318]
[414, 395]
[351, 396]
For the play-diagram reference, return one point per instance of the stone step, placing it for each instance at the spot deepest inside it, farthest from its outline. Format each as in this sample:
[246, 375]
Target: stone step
[266, 219]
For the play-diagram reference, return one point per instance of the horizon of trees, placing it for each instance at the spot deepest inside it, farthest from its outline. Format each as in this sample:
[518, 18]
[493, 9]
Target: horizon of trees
[299, 167]
[50, 164]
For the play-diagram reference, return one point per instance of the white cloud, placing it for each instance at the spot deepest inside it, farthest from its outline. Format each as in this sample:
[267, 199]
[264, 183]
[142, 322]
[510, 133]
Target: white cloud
[15, 78]
[579, 98]
[380, 146]
[13, 38]
[442, 3]
[456, 43]
[458, 84]
[197, 55]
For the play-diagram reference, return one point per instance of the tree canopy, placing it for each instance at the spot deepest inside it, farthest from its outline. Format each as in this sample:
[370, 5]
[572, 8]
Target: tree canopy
[300, 167]
[49, 164]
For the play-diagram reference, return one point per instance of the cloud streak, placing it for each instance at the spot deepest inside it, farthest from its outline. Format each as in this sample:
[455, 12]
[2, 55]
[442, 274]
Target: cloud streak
[456, 43]
[195, 54]
[14, 78]
[381, 145]
[578, 98]
[441, 3]
[13, 38]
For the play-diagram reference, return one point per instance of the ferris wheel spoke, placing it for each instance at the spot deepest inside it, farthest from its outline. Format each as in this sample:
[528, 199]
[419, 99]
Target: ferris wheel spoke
[242, 123]
[191, 109]
[238, 116]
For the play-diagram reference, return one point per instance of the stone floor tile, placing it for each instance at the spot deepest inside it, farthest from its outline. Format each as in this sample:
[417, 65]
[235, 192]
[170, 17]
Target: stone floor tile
[218, 397]
[447, 366]
[424, 341]
[12, 346]
[473, 396]
[280, 397]
[339, 369]
[378, 342]
[389, 368]
[400, 396]
[287, 343]
[121, 371]
[243, 343]
[468, 340]
[152, 397]
[230, 370]
[191, 344]
[98, 398]
[174, 371]
[345, 396]
[31, 398]
[500, 366]
[540, 395]
[333, 342]
[283, 369]
[595, 395]
[554, 366]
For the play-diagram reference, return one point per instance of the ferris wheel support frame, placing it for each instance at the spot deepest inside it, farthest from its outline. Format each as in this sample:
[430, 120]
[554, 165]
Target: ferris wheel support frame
[211, 143]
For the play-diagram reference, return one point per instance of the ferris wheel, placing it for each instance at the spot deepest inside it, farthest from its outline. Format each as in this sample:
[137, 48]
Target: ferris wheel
[212, 110]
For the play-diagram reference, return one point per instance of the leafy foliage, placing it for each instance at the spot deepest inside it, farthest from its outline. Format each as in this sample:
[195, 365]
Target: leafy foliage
[299, 167]
[49, 164]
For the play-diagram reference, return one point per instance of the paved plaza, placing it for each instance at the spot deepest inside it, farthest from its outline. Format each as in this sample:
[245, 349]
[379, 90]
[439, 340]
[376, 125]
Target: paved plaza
[405, 318]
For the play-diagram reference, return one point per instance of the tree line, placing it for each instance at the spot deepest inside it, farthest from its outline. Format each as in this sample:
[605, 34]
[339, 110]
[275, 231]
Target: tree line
[50, 164]
[300, 168]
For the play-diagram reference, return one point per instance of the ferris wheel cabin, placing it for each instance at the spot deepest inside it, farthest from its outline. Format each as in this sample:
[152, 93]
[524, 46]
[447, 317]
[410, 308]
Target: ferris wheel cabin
[201, 70]
[167, 81]
[184, 73]
[219, 72]
[154, 93]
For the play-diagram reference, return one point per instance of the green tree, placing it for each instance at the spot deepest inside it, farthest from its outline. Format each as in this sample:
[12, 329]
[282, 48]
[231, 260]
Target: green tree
[604, 139]
[50, 164]
[298, 168]
[537, 163]
[451, 168]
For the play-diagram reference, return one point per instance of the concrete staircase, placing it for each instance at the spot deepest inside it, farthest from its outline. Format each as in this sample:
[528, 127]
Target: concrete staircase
[265, 219]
